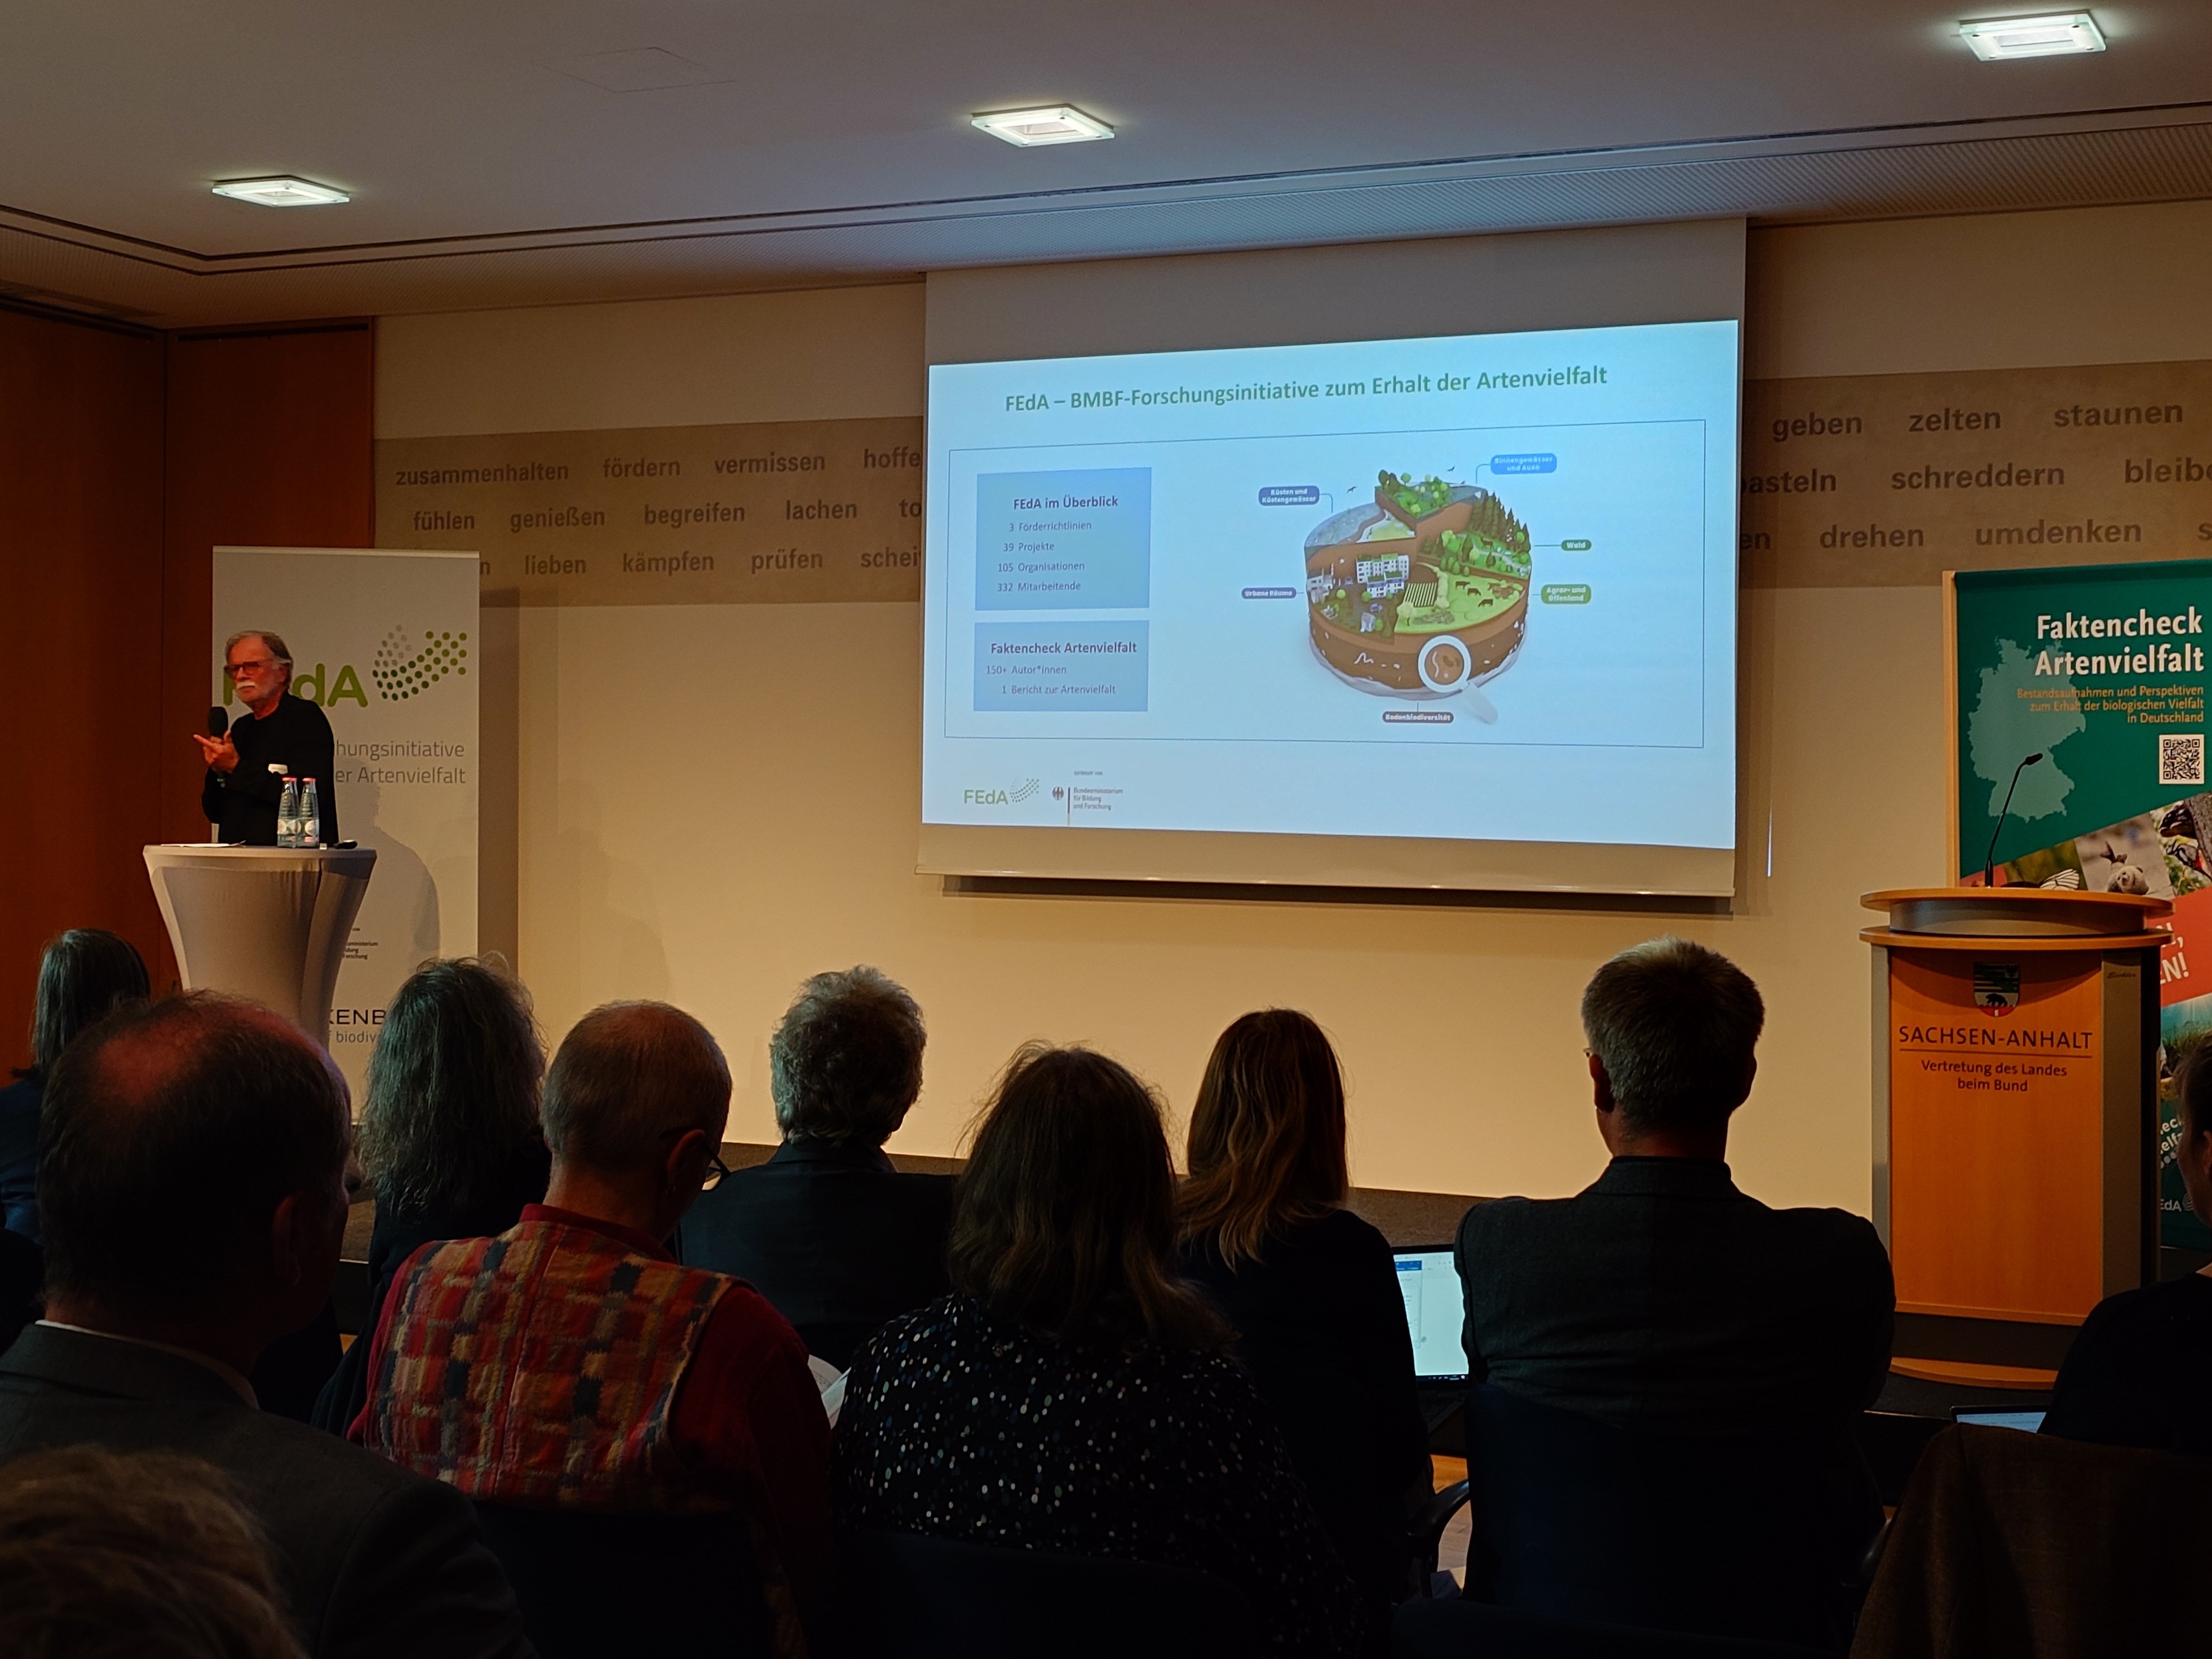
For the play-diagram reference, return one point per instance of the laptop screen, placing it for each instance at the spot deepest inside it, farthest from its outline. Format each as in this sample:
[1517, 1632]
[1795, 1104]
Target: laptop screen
[2026, 1422]
[1429, 1284]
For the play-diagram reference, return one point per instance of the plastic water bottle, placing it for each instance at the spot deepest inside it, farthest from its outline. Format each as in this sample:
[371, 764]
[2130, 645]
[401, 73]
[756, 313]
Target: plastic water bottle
[311, 815]
[288, 814]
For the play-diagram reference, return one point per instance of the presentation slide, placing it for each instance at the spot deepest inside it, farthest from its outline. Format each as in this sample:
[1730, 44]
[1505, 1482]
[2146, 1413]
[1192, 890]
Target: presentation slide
[1478, 588]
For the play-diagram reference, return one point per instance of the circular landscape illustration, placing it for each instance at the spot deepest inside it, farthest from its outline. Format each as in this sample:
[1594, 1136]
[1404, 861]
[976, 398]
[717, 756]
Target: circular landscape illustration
[1422, 594]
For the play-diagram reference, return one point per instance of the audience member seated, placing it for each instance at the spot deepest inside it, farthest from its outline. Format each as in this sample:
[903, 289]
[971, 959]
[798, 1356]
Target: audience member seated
[193, 1196]
[2140, 1370]
[82, 975]
[571, 1362]
[449, 1136]
[1073, 1394]
[294, 1369]
[1311, 1288]
[1660, 1296]
[147, 1554]
[827, 1229]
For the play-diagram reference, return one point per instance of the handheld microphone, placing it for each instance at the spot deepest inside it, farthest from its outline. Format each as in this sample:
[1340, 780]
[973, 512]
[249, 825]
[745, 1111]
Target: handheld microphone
[1988, 865]
[218, 723]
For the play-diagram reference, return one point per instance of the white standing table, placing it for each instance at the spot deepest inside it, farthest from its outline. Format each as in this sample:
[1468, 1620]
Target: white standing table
[268, 923]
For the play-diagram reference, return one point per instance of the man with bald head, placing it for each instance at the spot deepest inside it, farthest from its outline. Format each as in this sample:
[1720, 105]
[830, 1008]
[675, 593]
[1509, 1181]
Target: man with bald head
[573, 1363]
[193, 1193]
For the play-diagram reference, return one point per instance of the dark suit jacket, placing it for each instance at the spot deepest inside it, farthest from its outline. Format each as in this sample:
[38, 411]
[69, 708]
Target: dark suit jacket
[22, 1283]
[837, 1240]
[374, 1563]
[1661, 1296]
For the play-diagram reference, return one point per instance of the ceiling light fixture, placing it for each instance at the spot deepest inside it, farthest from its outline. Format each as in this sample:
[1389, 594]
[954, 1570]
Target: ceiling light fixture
[285, 192]
[1055, 124]
[2056, 36]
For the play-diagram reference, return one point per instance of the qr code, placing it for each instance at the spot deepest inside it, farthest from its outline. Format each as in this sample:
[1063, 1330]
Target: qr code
[2181, 757]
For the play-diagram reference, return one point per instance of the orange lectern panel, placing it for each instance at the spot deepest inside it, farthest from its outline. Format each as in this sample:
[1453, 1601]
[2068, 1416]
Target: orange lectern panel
[1996, 1132]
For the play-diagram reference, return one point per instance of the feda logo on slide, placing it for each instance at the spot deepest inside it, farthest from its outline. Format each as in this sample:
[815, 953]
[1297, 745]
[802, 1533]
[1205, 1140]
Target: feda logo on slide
[404, 670]
[1014, 797]
[1997, 988]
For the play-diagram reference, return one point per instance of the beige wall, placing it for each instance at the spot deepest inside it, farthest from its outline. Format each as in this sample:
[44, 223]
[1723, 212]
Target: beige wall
[794, 848]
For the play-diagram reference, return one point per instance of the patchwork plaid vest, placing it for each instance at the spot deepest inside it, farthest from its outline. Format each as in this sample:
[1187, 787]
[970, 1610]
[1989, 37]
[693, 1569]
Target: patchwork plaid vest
[540, 1368]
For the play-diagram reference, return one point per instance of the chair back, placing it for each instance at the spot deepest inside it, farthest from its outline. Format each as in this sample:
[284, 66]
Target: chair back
[1756, 1536]
[596, 1586]
[915, 1597]
[2026, 1543]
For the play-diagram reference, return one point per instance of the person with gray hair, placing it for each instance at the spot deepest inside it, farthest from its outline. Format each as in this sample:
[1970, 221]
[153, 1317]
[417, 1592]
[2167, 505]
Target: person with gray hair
[278, 736]
[592, 1371]
[147, 1554]
[828, 1229]
[1661, 1295]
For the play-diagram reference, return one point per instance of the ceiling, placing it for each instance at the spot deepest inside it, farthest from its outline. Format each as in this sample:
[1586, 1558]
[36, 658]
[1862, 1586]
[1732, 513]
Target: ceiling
[516, 152]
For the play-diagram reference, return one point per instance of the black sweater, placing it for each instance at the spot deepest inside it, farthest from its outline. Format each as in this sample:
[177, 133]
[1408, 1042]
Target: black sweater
[1321, 1324]
[2138, 1373]
[242, 804]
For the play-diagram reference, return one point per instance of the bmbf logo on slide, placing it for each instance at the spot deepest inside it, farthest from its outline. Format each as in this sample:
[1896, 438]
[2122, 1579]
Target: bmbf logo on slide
[1997, 988]
[1014, 797]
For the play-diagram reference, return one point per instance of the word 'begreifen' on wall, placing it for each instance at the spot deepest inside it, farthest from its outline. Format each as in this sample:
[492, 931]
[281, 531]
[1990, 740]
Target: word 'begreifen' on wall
[788, 512]
[1889, 480]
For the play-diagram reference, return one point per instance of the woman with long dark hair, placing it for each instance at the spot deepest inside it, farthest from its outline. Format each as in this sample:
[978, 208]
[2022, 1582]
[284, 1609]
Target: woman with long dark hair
[83, 975]
[1072, 1393]
[449, 1137]
[1311, 1288]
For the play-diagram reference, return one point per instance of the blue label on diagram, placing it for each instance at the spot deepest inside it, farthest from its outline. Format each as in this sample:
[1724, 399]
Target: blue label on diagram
[1078, 540]
[1512, 464]
[1066, 667]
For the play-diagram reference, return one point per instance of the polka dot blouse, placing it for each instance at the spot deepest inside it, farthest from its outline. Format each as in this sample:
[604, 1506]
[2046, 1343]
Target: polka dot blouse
[956, 1426]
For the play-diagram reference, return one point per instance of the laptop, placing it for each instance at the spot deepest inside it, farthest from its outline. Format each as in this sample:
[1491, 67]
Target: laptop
[1434, 1311]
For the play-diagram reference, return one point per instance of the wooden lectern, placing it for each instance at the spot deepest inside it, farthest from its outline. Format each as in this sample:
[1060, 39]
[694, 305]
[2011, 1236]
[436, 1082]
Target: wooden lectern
[2016, 1036]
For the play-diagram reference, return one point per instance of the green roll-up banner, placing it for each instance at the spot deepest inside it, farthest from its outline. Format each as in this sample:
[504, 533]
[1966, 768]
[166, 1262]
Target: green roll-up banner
[2101, 671]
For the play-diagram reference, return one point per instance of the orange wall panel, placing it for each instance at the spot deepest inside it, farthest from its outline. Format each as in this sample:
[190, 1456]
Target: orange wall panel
[269, 445]
[125, 457]
[80, 632]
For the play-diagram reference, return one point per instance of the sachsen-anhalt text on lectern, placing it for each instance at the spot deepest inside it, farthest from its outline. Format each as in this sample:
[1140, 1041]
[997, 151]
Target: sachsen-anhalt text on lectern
[268, 923]
[2015, 1039]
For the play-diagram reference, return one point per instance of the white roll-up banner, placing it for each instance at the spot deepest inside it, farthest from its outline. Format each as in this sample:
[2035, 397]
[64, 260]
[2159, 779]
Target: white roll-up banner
[387, 644]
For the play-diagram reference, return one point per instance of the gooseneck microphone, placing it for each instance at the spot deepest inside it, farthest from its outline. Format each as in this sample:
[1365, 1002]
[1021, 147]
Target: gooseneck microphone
[1989, 858]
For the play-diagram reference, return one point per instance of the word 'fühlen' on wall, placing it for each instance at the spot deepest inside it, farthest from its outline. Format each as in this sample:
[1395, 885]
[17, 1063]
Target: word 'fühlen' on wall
[789, 512]
[1889, 480]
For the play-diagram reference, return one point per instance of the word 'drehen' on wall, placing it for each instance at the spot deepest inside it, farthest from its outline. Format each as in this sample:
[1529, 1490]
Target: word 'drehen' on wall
[1889, 480]
[790, 512]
